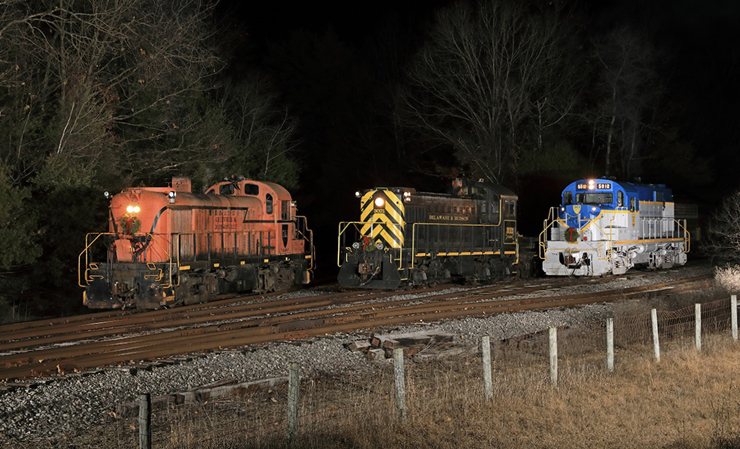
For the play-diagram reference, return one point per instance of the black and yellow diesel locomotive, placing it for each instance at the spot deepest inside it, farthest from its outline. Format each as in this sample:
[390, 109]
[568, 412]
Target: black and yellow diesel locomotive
[405, 237]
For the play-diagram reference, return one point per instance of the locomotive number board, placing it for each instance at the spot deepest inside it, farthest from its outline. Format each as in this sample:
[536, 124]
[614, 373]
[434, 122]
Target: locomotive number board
[599, 186]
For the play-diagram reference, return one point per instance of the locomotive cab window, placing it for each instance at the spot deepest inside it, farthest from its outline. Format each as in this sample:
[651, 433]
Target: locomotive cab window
[620, 198]
[567, 198]
[595, 198]
[510, 208]
[268, 204]
[284, 210]
[251, 189]
[632, 204]
[226, 189]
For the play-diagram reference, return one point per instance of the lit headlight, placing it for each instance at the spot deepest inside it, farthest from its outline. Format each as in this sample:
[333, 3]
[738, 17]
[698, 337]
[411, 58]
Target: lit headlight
[379, 202]
[106, 195]
[133, 209]
[591, 184]
[172, 196]
[358, 194]
[406, 197]
[593, 209]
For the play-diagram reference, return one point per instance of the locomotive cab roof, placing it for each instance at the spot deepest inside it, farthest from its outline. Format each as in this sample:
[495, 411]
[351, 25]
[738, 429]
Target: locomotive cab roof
[642, 192]
[470, 189]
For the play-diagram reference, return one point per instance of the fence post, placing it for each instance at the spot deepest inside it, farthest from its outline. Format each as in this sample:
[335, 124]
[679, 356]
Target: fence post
[610, 344]
[656, 343]
[400, 382]
[697, 326]
[487, 377]
[145, 421]
[733, 313]
[554, 355]
[294, 381]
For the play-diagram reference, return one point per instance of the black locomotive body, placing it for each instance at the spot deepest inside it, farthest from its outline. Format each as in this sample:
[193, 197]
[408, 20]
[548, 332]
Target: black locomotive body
[405, 237]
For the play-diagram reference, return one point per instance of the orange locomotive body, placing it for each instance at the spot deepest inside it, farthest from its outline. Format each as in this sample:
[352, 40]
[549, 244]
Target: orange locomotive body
[167, 246]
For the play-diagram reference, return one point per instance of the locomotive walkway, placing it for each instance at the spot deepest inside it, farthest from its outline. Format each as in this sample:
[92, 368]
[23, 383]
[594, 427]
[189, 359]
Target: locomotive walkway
[75, 344]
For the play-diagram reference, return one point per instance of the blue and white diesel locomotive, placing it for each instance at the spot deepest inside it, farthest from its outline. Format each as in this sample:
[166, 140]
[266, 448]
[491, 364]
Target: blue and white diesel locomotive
[607, 227]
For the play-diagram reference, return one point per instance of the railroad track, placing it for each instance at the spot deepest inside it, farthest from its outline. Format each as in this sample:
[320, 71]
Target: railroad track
[62, 346]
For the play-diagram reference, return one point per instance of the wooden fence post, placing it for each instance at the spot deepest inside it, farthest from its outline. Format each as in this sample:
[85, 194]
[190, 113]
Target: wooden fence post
[554, 355]
[697, 326]
[145, 421]
[294, 381]
[656, 342]
[487, 377]
[610, 344]
[400, 382]
[733, 313]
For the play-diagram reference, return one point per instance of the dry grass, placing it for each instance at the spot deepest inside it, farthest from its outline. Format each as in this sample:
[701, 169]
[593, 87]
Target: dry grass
[728, 277]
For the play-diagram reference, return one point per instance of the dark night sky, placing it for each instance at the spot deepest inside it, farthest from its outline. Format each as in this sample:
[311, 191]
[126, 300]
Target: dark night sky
[704, 34]
[701, 38]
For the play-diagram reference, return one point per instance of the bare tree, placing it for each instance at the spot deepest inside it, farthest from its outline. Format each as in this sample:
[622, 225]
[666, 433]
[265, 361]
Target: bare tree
[265, 132]
[105, 82]
[723, 243]
[631, 90]
[492, 82]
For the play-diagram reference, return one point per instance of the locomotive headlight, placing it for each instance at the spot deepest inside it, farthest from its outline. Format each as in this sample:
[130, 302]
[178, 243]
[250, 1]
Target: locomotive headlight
[379, 202]
[379, 245]
[593, 209]
[133, 209]
[356, 245]
[358, 194]
[406, 197]
[106, 195]
[591, 184]
[172, 196]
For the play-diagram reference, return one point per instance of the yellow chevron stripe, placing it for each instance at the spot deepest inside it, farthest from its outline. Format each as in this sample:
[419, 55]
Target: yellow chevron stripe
[388, 224]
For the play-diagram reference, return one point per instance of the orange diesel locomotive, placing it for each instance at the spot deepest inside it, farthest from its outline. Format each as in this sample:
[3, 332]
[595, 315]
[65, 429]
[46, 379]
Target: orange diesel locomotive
[167, 246]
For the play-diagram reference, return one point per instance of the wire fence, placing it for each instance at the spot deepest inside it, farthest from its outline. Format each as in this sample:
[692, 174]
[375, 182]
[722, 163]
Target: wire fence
[261, 418]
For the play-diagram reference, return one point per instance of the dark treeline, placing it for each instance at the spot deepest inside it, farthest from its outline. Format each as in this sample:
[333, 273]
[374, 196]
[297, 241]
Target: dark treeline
[96, 95]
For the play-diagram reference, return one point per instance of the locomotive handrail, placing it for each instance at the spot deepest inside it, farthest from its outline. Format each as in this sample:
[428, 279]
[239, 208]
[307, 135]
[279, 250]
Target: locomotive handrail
[542, 240]
[260, 248]
[98, 235]
[85, 252]
[452, 225]
[344, 225]
[687, 235]
[309, 239]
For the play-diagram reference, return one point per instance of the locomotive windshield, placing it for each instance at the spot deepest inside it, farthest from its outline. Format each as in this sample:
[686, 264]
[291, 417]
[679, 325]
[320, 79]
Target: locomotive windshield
[595, 198]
